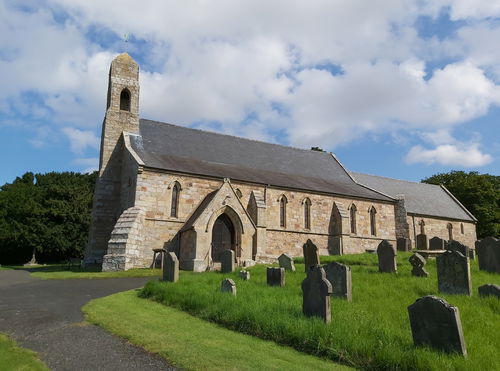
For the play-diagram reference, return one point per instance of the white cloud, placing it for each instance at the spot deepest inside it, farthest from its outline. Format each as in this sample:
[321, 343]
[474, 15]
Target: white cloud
[80, 140]
[463, 155]
[89, 164]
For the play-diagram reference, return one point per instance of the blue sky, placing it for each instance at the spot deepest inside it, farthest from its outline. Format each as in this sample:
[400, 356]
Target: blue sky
[404, 89]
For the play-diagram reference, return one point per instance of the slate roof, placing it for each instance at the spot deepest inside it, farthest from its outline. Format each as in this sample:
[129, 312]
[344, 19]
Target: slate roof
[420, 198]
[192, 151]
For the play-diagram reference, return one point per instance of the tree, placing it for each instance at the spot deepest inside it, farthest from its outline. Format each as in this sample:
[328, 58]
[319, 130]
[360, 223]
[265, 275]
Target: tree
[479, 193]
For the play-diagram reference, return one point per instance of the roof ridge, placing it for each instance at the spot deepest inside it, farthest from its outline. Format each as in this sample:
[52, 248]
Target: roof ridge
[399, 180]
[238, 137]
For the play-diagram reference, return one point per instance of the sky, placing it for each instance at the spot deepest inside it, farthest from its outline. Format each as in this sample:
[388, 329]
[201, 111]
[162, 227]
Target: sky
[398, 88]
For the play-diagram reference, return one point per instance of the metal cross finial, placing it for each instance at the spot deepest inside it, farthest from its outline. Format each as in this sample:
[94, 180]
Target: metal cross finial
[125, 39]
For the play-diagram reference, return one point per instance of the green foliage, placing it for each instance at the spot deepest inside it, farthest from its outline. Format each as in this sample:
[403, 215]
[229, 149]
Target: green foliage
[13, 357]
[372, 332]
[47, 213]
[479, 193]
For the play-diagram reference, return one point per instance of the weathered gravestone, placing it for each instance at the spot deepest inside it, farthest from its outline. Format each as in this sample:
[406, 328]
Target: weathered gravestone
[170, 267]
[311, 254]
[403, 244]
[488, 254]
[228, 285]
[436, 323]
[275, 276]
[489, 290]
[453, 245]
[436, 243]
[245, 275]
[386, 257]
[422, 242]
[227, 261]
[453, 273]
[340, 277]
[316, 291]
[286, 261]
[418, 263]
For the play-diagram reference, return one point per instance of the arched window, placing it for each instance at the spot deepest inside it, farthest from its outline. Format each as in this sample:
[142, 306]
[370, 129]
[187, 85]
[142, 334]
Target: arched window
[307, 213]
[175, 200]
[125, 100]
[421, 223]
[352, 212]
[238, 193]
[450, 231]
[283, 201]
[373, 221]
[462, 228]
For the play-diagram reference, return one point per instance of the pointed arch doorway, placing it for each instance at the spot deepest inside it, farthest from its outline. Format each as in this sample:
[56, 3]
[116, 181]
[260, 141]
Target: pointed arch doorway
[223, 237]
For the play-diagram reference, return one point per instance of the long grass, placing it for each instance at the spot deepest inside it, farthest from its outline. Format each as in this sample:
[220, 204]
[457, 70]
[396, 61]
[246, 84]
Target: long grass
[372, 332]
[14, 358]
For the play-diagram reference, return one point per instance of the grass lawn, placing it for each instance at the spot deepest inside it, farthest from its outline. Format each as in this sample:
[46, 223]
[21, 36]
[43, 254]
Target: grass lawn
[191, 343]
[371, 332]
[15, 358]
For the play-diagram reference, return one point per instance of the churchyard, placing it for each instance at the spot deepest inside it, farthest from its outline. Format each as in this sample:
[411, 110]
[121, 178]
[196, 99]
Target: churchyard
[368, 328]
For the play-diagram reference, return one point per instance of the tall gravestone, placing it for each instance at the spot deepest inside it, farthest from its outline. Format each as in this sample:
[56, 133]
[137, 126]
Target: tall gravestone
[489, 290]
[170, 267]
[275, 276]
[403, 244]
[488, 254]
[340, 277]
[386, 257]
[311, 254]
[436, 324]
[316, 291]
[422, 242]
[227, 261]
[453, 273]
[436, 243]
[228, 285]
[286, 261]
[418, 262]
[453, 245]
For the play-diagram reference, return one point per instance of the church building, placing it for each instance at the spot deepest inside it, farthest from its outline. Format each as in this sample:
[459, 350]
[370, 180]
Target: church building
[198, 193]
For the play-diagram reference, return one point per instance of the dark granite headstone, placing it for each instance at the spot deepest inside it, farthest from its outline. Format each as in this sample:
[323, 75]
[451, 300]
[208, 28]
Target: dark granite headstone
[488, 254]
[311, 254]
[170, 267]
[453, 273]
[286, 261]
[422, 242]
[275, 276]
[418, 263]
[245, 275]
[340, 277]
[228, 285]
[386, 257]
[227, 261]
[403, 244]
[489, 290]
[436, 324]
[316, 291]
[457, 246]
[436, 243]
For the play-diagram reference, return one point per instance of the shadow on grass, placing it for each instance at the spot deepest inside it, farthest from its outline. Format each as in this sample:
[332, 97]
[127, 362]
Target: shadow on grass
[52, 268]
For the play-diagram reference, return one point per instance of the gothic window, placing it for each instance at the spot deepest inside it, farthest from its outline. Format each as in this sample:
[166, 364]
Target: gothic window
[421, 223]
[462, 228]
[283, 201]
[175, 200]
[307, 213]
[125, 100]
[450, 231]
[238, 193]
[373, 221]
[352, 212]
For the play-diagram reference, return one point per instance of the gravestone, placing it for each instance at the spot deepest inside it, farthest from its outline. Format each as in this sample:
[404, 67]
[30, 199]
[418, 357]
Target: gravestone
[311, 254]
[340, 277]
[453, 273]
[403, 244]
[488, 254]
[245, 275]
[489, 290]
[422, 242]
[386, 257]
[228, 285]
[316, 291]
[286, 261]
[472, 254]
[227, 261]
[453, 245]
[170, 267]
[436, 324]
[418, 263]
[275, 276]
[436, 243]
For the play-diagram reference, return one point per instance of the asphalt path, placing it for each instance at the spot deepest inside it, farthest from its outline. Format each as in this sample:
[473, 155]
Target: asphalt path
[46, 316]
